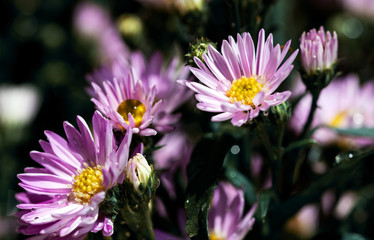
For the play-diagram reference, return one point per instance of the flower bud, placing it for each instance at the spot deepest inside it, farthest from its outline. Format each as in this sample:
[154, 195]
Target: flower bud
[138, 170]
[280, 114]
[197, 49]
[319, 52]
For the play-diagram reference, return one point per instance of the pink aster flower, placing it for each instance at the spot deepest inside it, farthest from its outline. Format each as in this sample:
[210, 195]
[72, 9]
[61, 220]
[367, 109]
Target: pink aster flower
[342, 104]
[152, 76]
[241, 81]
[319, 50]
[63, 196]
[127, 102]
[225, 216]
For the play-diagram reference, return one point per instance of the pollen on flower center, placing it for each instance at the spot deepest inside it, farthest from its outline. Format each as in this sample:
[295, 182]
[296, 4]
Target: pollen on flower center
[213, 236]
[133, 106]
[243, 90]
[338, 119]
[87, 184]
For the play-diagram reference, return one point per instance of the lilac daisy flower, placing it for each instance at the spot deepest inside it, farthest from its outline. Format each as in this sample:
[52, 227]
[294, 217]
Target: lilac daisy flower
[154, 79]
[342, 104]
[225, 215]
[241, 81]
[127, 102]
[319, 50]
[62, 197]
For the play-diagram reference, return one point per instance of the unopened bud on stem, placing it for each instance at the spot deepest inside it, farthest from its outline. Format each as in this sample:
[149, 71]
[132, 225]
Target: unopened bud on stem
[138, 170]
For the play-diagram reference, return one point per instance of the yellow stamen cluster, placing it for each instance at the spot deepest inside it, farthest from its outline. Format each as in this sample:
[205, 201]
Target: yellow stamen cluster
[338, 119]
[133, 106]
[213, 236]
[243, 90]
[87, 184]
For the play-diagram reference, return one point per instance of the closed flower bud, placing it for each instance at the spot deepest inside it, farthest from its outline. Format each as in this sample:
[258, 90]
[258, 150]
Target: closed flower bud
[138, 170]
[197, 49]
[280, 114]
[319, 52]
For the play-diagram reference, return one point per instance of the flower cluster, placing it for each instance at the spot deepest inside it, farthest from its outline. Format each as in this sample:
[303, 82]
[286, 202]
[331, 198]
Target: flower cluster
[148, 153]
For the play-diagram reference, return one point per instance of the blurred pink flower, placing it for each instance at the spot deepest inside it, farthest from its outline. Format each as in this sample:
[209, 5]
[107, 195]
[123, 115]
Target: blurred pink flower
[360, 8]
[241, 81]
[305, 222]
[257, 168]
[93, 22]
[225, 215]
[155, 73]
[342, 104]
[345, 204]
[172, 158]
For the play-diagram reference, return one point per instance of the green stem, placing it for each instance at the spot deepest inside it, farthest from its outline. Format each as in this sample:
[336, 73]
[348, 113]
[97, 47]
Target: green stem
[274, 163]
[261, 131]
[138, 220]
[313, 107]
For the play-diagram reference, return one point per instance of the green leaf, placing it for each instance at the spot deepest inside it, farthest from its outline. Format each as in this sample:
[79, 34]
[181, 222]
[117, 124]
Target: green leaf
[300, 144]
[337, 177]
[359, 132]
[353, 236]
[345, 158]
[264, 202]
[240, 181]
[203, 173]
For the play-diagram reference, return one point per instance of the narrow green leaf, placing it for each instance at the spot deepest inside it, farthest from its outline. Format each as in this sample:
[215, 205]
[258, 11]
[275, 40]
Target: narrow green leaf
[300, 144]
[353, 236]
[359, 132]
[203, 173]
[240, 181]
[346, 158]
[336, 177]
[264, 202]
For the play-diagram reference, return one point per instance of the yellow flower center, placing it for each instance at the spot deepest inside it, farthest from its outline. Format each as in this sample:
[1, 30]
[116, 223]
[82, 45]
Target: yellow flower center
[213, 236]
[133, 106]
[338, 119]
[87, 184]
[243, 90]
